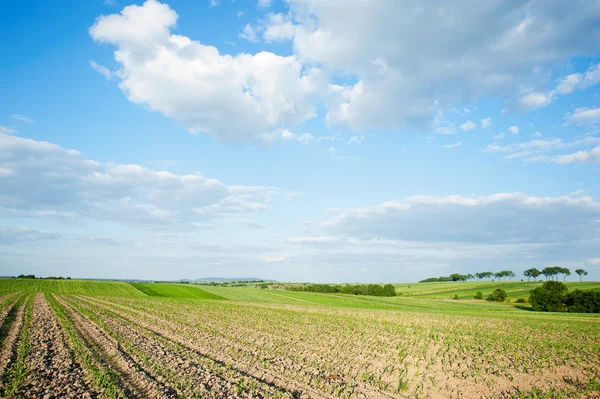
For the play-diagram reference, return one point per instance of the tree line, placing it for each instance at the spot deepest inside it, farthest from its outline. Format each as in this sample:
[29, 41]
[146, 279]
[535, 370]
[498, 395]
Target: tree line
[554, 296]
[549, 272]
[359, 289]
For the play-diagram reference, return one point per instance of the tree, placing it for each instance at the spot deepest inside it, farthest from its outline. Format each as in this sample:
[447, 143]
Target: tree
[483, 275]
[550, 297]
[581, 273]
[478, 295]
[533, 272]
[550, 272]
[565, 272]
[499, 295]
[509, 273]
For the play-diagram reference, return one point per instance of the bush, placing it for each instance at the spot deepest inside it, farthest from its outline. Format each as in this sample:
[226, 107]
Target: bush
[550, 297]
[579, 301]
[499, 295]
[478, 295]
[455, 297]
[521, 300]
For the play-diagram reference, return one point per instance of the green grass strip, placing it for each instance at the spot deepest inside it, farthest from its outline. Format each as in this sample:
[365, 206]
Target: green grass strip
[14, 377]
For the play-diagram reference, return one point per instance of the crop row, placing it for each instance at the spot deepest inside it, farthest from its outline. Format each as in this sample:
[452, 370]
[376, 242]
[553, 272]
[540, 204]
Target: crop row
[380, 354]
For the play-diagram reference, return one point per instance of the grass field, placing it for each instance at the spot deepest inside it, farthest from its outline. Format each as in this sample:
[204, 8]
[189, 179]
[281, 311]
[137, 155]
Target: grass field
[173, 291]
[467, 290]
[83, 287]
[113, 340]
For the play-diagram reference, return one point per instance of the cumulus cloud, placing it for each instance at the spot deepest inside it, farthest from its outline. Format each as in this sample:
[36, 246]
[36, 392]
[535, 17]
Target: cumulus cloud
[388, 81]
[248, 34]
[499, 136]
[468, 125]
[237, 97]
[536, 100]
[592, 155]
[43, 180]
[264, 3]
[499, 218]
[278, 27]
[490, 48]
[356, 140]
[514, 130]
[487, 122]
[584, 116]
[7, 130]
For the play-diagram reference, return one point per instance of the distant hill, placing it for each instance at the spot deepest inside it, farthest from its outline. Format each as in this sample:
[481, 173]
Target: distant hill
[226, 280]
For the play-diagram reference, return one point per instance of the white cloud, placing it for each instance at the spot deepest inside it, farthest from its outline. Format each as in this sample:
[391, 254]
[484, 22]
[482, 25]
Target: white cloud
[499, 218]
[264, 3]
[273, 258]
[356, 140]
[584, 116]
[595, 261]
[199, 87]
[592, 155]
[13, 235]
[468, 125]
[514, 130]
[278, 27]
[487, 49]
[455, 145]
[389, 81]
[248, 34]
[23, 118]
[49, 182]
[536, 100]
[569, 83]
[537, 134]
[7, 130]
[487, 122]
[532, 151]
[101, 69]
[499, 136]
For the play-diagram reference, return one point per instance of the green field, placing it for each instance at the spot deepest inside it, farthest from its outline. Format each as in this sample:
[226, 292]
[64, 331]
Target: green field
[129, 339]
[83, 287]
[467, 290]
[174, 291]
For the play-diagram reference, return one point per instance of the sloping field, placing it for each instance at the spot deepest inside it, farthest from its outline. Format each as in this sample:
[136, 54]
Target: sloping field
[74, 345]
[84, 287]
[174, 291]
[468, 289]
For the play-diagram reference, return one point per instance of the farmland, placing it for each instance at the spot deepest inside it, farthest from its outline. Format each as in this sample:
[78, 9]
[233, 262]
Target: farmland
[116, 340]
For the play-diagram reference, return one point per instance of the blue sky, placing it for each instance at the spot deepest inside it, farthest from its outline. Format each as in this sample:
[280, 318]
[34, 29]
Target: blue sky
[298, 140]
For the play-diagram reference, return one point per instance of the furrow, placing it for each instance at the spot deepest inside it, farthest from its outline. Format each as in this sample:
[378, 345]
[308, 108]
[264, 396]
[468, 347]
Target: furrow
[9, 334]
[188, 337]
[195, 373]
[55, 373]
[133, 377]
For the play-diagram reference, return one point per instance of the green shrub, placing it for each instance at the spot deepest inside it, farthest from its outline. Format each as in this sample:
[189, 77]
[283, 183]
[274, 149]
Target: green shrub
[579, 301]
[550, 297]
[478, 295]
[521, 300]
[455, 297]
[499, 295]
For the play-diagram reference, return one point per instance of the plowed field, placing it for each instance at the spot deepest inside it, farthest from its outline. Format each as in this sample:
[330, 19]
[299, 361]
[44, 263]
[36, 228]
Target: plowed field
[56, 345]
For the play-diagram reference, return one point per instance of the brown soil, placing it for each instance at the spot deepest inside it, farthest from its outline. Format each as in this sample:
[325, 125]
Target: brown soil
[15, 317]
[54, 373]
